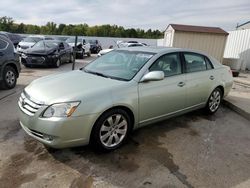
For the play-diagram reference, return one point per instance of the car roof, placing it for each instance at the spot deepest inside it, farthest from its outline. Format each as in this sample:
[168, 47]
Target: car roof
[159, 50]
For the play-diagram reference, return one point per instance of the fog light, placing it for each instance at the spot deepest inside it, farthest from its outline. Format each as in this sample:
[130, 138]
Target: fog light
[48, 137]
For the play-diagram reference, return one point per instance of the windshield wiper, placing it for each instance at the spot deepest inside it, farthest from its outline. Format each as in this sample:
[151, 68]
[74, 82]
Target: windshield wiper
[96, 73]
[104, 75]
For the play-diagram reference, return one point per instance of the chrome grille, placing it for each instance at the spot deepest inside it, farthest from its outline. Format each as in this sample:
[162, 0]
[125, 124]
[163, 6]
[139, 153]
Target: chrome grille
[28, 106]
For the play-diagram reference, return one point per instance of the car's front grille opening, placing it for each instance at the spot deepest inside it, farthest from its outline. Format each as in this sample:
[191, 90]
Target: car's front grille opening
[27, 105]
[41, 135]
[36, 133]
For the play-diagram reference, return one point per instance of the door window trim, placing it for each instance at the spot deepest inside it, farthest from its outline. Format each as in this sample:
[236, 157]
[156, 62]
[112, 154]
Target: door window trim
[206, 60]
[6, 45]
[170, 53]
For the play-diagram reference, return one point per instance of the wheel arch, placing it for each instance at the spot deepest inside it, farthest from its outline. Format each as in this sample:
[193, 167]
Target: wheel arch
[11, 64]
[221, 88]
[125, 108]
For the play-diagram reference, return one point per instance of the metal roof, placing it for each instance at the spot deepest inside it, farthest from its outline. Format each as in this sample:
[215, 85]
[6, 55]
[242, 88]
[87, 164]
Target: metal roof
[198, 29]
[242, 24]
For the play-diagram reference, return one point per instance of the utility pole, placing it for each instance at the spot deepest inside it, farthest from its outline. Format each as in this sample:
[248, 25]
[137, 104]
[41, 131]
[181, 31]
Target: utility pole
[74, 54]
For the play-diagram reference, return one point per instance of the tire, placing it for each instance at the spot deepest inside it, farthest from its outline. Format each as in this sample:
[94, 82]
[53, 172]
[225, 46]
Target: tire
[71, 60]
[82, 54]
[27, 66]
[111, 130]
[57, 63]
[214, 101]
[89, 54]
[9, 78]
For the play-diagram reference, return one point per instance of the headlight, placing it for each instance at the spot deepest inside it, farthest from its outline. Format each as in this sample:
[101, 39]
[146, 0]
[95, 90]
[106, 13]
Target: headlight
[61, 109]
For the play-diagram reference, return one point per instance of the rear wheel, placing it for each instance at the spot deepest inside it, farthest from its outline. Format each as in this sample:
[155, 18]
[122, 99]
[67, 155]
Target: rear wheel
[89, 54]
[214, 101]
[111, 130]
[9, 78]
[58, 63]
[71, 60]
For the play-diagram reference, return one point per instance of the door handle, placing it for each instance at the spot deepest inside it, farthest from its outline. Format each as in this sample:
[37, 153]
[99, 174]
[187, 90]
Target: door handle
[211, 77]
[181, 84]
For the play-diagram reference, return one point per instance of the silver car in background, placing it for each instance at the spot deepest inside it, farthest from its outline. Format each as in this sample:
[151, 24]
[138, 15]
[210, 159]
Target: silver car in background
[119, 92]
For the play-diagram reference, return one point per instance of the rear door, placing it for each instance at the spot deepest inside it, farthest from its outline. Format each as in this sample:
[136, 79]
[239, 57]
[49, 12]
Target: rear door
[158, 99]
[199, 78]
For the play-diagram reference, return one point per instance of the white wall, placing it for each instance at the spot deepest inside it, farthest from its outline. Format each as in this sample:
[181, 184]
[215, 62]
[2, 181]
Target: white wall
[238, 46]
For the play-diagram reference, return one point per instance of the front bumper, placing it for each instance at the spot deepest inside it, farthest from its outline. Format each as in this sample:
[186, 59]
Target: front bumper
[38, 60]
[58, 132]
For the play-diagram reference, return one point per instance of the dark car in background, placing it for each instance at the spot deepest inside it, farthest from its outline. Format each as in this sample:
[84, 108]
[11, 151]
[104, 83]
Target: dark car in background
[95, 46]
[14, 38]
[9, 64]
[47, 53]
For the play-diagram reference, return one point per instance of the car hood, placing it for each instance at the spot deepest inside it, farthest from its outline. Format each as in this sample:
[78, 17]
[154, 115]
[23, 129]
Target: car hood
[102, 52]
[29, 44]
[69, 86]
[40, 51]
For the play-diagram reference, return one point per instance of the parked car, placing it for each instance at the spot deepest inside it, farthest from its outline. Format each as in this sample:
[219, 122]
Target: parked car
[47, 53]
[121, 45]
[82, 47]
[15, 38]
[29, 41]
[95, 46]
[123, 90]
[9, 64]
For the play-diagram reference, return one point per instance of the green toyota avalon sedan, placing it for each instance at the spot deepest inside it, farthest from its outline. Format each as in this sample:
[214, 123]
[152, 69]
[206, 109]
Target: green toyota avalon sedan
[121, 91]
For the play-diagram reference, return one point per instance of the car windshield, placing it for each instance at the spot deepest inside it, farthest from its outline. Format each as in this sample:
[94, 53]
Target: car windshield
[31, 39]
[119, 64]
[47, 44]
[92, 41]
[72, 40]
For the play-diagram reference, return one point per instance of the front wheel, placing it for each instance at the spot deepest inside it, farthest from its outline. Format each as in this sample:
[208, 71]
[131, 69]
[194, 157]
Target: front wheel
[214, 101]
[111, 130]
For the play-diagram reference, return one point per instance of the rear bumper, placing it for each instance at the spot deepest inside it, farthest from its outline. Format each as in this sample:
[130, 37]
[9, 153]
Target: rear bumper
[58, 132]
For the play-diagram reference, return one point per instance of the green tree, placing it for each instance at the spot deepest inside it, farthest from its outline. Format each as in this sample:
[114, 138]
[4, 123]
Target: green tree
[6, 23]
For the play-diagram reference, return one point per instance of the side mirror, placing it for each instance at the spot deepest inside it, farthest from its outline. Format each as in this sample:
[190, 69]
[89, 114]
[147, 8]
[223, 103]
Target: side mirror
[153, 76]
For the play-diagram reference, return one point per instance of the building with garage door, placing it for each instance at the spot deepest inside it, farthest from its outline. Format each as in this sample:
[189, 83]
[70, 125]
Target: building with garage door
[211, 40]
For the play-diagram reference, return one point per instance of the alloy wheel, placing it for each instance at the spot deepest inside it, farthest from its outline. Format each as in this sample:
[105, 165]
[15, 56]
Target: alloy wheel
[214, 101]
[10, 77]
[113, 130]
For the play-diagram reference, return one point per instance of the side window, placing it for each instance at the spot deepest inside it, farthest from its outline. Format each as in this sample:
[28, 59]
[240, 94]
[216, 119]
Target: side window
[3, 44]
[195, 62]
[170, 64]
[209, 64]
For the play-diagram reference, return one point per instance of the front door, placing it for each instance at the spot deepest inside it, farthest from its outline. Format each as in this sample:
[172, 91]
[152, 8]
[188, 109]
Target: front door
[158, 99]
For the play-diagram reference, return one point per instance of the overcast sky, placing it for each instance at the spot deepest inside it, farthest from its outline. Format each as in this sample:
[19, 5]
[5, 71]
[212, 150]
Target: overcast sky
[145, 14]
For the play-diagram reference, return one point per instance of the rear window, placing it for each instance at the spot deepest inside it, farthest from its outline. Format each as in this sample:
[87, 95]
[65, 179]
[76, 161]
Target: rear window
[3, 44]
